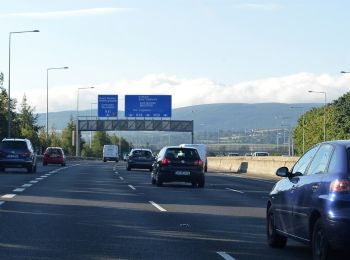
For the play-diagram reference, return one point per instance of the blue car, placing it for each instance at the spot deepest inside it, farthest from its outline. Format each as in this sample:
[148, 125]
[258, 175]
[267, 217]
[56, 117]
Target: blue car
[311, 203]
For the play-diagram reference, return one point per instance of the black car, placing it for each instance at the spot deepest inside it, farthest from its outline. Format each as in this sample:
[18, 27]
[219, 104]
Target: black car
[311, 203]
[140, 159]
[17, 153]
[178, 164]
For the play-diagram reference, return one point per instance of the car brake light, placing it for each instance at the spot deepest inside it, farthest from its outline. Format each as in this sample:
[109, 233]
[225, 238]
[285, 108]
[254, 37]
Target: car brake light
[27, 153]
[340, 186]
[198, 162]
[164, 161]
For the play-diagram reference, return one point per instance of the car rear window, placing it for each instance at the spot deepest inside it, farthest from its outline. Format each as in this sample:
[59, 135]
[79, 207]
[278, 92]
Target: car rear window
[182, 154]
[141, 153]
[13, 145]
[54, 151]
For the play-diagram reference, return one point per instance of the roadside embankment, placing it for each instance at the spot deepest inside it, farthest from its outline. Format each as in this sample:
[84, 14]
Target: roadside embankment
[257, 166]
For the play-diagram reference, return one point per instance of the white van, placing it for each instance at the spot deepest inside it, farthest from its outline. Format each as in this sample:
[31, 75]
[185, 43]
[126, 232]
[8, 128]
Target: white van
[202, 151]
[110, 152]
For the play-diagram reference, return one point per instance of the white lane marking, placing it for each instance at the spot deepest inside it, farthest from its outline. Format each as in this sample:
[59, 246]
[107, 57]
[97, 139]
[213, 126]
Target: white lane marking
[121, 178]
[51, 172]
[8, 196]
[43, 176]
[27, 185]
[39, 179]
[47, 174]
[33, 182]
[157, 206]
[116, 172]
[19, 190]
[2, 202]
[132, 187]
[225, 256]
[235, 190]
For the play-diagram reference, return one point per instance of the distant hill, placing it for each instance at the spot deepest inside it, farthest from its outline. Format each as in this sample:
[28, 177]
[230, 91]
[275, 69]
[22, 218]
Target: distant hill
[212, 117]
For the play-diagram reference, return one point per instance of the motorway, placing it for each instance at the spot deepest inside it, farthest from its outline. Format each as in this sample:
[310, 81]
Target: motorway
[96, 210]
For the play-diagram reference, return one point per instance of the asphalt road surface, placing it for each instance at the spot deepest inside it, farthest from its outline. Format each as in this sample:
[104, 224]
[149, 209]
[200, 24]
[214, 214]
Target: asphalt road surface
[96, 210]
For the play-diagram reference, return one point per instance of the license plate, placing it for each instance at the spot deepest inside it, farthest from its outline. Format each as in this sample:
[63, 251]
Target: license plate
[53, 155]
[12, 156]
[182, 173]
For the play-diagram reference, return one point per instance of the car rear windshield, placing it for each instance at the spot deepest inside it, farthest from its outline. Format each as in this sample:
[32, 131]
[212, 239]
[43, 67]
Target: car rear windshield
[182, 154]
[54, 151]
[13, 145]
[141, 153]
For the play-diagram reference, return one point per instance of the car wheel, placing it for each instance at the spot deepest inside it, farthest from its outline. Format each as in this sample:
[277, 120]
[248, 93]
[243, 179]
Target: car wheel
[34, 168]
[128, 168]
[2, 169]
[44, 163]
[150, 169]
[63, 164]
[201, 183]
[320, 245]
[153, 181]
[274, 239]
[194, 184]
[159, 181]
[30, 169]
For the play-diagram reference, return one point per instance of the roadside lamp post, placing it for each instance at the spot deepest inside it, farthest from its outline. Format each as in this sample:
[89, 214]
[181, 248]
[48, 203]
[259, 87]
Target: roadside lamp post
[324, 111]
[9, 81]
[77, 142]
[91, 119]
[303, 108]
[47, 100]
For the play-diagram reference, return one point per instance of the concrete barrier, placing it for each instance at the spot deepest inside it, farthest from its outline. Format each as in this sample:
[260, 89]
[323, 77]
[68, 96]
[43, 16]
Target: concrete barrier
[264, 166]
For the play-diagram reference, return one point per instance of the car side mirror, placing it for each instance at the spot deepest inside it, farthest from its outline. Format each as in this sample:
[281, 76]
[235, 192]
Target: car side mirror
[282, 172]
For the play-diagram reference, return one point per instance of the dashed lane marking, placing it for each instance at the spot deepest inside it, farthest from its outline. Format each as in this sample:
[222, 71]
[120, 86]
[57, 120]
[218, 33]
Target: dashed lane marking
[132, 187]
[8, 196]
[2, 202]
[116, 172]
[19, 190]
[121, 178]
[225, 256]
[157, 206]
[39, 179]
[33, 182]
[235, 190]
[27, 185]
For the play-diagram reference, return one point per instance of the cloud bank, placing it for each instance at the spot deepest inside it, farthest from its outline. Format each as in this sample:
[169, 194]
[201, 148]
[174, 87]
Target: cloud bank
[196, 91]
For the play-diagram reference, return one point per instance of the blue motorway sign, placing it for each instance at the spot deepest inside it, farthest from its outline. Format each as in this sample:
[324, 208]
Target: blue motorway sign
[147, 106]
[107, 105]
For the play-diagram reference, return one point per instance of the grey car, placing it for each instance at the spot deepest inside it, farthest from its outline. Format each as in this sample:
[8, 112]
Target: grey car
[140, 159]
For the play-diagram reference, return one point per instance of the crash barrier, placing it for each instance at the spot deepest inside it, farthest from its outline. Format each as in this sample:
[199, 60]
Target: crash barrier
[264, 166]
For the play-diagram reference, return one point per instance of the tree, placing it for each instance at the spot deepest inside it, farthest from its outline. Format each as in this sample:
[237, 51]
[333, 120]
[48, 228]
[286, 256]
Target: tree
[66, 137]
[27, 123]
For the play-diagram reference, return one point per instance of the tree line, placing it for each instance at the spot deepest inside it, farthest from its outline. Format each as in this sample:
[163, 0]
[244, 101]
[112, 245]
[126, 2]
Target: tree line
[24, 124]
[337, 124]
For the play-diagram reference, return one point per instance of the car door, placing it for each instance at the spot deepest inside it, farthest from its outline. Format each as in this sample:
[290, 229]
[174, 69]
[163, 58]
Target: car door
[283, 199]
[307, 190]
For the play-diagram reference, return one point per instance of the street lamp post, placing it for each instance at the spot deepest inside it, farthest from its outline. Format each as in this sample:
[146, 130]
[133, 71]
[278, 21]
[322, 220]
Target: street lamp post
[303, 108]
[77, 141]
[47, 100]
[324, 111]
[91, 119]
[9, 81]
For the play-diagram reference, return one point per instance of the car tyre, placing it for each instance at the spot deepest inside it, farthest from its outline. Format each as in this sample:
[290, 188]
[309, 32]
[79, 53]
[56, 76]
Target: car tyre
[194, 184]
[274, 239]
[128, 168]
[2, 169]
[159, 181]
[320, 246]
[30, 169]
[44, 163]
[34, 168]
[153, 181]
[201, 183]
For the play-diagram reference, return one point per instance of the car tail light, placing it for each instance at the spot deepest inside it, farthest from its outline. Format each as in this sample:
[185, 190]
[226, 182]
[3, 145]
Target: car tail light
[164, 161]
[27, 153]
[340, 186]
[198, 163]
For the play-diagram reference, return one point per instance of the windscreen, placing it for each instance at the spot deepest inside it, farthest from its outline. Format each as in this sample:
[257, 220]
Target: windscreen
[13, 145]
[142, 153]
[182, 154]
[55, 151]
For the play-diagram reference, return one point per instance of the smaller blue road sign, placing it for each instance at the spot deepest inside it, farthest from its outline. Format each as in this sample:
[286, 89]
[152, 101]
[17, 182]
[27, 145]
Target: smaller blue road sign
[148, 106]
[107, 105]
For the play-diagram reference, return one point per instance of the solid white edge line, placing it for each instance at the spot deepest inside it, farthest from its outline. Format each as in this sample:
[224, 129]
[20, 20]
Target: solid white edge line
[132, 187]
[225, 256]
[8, 196]
[235, 190]
[157, 206]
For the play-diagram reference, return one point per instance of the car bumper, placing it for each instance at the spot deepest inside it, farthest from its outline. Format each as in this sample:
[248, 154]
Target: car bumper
[53, 161]
[15, 163]
[338, 231]
[140, 165]
[170, 176]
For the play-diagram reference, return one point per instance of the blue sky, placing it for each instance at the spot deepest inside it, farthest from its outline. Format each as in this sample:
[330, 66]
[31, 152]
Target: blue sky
[199, 51]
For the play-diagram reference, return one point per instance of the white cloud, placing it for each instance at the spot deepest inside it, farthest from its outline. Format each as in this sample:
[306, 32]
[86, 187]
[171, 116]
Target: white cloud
[187, 92]
[67, 13]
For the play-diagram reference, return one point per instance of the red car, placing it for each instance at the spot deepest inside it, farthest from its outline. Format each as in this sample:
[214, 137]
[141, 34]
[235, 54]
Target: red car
[54, 155]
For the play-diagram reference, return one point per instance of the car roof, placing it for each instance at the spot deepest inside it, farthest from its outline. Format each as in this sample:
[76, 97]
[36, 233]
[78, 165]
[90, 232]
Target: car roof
[15, 139]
